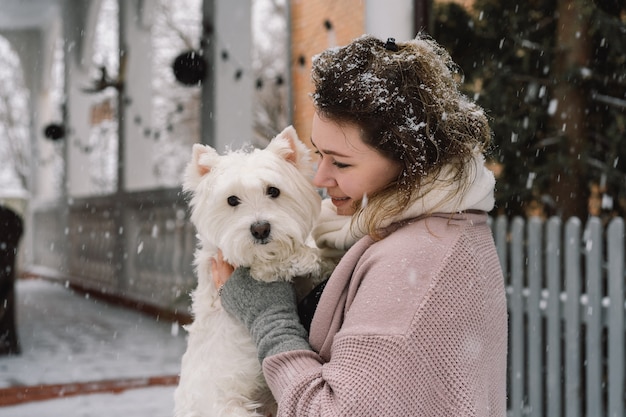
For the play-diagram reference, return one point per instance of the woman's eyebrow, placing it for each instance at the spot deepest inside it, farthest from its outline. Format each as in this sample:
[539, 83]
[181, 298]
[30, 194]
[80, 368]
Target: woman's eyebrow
[329, 152]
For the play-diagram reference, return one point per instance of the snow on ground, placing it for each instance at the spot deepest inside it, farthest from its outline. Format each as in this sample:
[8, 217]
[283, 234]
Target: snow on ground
[68, 337]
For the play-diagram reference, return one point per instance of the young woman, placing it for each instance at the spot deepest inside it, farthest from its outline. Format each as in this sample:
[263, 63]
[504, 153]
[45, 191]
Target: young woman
[413, 320]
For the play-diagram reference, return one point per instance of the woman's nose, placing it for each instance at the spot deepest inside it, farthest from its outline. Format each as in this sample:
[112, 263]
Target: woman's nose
[322, 179]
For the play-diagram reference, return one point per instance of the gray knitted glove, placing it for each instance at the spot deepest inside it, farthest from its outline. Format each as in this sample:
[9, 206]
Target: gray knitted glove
[268, 310]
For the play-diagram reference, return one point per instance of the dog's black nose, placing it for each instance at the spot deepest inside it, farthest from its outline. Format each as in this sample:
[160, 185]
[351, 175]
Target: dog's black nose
[260, 230]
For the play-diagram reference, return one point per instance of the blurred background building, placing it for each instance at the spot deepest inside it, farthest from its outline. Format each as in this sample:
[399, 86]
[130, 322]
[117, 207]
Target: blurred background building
[104, 98]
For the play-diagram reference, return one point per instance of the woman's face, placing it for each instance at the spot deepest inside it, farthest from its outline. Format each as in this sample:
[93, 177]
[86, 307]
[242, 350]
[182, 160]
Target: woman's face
[348, 168]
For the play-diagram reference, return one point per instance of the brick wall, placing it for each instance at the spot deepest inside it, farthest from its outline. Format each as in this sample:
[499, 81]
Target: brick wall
[316, 26]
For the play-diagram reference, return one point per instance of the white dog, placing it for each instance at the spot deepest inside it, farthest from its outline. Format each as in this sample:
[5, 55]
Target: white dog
[258, 207]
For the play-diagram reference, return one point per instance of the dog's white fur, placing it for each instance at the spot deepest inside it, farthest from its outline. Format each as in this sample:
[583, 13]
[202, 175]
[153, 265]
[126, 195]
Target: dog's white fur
[220, 372]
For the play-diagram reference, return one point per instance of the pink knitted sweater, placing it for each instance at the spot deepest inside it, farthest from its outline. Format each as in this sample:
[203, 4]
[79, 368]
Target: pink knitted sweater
[412, 325]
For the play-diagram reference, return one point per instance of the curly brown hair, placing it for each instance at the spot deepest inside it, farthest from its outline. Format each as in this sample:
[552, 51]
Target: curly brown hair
[405, 98]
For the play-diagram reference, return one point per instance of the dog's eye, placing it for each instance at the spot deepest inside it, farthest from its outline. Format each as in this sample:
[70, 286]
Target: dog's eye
[233, 200]
[273, 192]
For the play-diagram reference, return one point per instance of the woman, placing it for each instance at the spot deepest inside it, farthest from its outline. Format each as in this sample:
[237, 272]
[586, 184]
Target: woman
[413, 320]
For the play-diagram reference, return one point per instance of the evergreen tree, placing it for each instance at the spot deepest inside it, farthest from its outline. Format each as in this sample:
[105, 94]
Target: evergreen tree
[552, 76]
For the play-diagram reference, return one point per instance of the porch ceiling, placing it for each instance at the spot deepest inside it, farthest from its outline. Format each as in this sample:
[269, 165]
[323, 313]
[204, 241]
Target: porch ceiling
[28, 14]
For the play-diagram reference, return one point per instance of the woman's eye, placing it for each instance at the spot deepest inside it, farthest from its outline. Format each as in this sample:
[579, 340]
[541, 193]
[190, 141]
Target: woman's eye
[273, 192]
[335, 163]
[233, 200]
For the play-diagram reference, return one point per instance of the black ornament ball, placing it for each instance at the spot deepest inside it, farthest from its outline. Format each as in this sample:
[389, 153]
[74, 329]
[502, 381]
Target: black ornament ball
[54, 131]
[189, 68]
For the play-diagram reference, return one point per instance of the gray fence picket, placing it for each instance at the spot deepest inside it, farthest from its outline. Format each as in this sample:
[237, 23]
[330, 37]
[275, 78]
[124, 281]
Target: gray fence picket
[572, 318]
[517, 375]
[615, 273]
[535, 327]
[500, 237]
[593, 317]
[554, 258]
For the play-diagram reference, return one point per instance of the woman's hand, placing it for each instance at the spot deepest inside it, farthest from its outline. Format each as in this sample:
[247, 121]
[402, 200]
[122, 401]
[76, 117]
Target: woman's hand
[267, 309]
[220, 270]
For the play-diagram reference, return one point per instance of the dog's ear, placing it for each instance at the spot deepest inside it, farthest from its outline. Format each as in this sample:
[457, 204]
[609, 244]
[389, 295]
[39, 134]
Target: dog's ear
[290, 134]
[203, 158]
[288, 146]
[295, 150]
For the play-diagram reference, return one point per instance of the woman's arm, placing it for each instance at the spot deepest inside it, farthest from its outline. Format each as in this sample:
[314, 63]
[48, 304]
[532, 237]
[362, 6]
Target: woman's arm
[268, 310]
[359, 380]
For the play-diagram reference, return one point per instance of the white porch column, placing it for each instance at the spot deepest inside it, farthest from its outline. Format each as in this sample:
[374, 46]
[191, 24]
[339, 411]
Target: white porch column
[389, 19]
[232, 71]
[77, 130]
[79, 28]
[136, 103]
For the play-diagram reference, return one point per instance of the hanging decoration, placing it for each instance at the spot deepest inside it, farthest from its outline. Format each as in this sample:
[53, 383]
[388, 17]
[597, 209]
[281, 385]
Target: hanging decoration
[189, 68]
[54, 131]
[105, 81]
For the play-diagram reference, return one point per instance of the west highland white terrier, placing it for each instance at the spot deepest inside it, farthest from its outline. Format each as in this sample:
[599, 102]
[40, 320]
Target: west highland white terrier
[258, 207]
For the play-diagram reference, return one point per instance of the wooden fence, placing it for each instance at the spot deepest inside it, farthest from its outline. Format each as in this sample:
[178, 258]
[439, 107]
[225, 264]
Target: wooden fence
[565, 288]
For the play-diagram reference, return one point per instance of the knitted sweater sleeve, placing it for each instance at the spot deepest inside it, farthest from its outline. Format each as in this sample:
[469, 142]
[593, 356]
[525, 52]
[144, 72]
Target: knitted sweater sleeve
[424, 335]
[348, 385]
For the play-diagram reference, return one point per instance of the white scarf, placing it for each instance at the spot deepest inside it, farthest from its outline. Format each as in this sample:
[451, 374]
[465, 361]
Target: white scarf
[334, 234]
